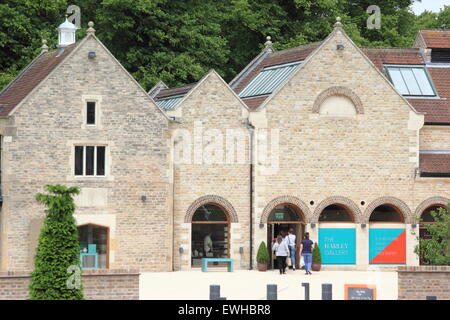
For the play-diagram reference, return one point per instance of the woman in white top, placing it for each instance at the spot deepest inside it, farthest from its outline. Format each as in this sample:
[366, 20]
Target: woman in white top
[291, 243]
[281, 250]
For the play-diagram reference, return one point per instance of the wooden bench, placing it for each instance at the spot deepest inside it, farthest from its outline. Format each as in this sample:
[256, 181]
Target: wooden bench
[230, 263]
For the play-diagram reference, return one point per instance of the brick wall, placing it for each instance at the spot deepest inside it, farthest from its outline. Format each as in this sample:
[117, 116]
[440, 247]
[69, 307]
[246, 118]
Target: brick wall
[416, 283]
[98, 285]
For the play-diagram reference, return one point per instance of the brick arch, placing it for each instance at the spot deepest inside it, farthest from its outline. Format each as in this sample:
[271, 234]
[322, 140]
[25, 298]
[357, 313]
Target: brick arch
[211, 199]
[396, 203]
[337, 200]
[288, 200]
[433, 201]
[338, 91]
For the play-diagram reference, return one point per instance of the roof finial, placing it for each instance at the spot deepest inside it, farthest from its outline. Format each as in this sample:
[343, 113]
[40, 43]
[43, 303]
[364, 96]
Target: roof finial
[44, 46]
[268, 43]
[338, 23]
[91, 29]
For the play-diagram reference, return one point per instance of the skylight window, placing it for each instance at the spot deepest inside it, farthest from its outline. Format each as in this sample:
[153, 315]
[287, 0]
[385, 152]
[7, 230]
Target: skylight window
[269, 79]
[169, 102]
[411, 81]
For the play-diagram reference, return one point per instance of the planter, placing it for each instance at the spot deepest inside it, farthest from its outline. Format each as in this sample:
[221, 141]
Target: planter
[316, 266]
[262, 266]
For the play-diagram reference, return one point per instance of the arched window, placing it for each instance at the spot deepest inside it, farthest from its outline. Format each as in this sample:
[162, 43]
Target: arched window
[339, 106]
[426, 216]
[285, 213]
[335, 213]
[94, 251]
[386, 213]
[210, 233]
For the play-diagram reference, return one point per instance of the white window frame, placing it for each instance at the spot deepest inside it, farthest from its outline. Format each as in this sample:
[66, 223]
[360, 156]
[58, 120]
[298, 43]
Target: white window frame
[411, 66]
[84, 160]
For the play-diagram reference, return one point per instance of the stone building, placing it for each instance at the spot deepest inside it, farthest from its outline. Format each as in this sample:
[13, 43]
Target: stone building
[349, 144]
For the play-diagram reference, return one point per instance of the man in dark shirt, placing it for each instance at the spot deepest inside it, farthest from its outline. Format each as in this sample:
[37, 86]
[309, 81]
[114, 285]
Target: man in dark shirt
[306, 250]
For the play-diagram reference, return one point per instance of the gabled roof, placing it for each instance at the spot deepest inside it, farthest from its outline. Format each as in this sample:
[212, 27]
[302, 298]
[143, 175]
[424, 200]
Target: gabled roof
[169, 98]
[30, 77]
[435, 38]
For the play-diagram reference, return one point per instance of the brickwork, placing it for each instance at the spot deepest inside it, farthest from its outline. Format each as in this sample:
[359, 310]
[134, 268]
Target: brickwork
[416, 283]
[135, 132]
[98, 285]
[213, 106]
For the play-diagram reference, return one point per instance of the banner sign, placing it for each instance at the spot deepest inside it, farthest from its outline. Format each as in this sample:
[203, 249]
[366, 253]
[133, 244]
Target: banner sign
[337, 245]
[387, 246]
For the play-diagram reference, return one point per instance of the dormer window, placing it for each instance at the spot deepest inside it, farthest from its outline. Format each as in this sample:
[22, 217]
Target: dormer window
[90, 113]
[411, 80]
[440, 55]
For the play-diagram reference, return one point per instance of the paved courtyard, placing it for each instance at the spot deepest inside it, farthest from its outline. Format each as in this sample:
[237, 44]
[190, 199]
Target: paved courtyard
[244, 284]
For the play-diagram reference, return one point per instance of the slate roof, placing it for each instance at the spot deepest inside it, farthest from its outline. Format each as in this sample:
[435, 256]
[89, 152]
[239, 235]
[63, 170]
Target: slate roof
[30, 77]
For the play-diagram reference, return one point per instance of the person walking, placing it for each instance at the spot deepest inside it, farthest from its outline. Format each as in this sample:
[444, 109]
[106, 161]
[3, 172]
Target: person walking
[281, 251]
[291, 243]
[306, 249]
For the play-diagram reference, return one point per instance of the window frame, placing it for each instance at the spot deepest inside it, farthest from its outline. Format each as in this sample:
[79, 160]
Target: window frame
[95, 175]
[412, 66]
[87, 113]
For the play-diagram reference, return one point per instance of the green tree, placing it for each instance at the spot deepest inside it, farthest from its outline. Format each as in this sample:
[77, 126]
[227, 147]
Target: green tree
[316, 256]
[436, 249]
[58, 251]
[263, 254]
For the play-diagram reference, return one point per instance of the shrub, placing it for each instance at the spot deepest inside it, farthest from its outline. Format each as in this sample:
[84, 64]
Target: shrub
[316, 256]
[436, 250]
[58, 251]
[263, 254]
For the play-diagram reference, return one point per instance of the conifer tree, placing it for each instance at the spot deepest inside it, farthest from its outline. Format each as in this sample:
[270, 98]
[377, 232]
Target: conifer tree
[57, 275]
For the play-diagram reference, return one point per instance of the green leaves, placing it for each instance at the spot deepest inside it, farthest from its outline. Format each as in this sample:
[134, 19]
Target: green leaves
[436, 250]
[58, 248]
[178, 41]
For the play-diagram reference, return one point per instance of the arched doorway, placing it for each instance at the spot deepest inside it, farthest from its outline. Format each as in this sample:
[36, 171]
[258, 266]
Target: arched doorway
[280, 220]
[210, 233]
[387, 235]
[427, 218]
[94, 246]
[337, 235]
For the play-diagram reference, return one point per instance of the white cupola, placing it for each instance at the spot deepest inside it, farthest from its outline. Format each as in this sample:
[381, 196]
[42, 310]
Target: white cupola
[66, 34]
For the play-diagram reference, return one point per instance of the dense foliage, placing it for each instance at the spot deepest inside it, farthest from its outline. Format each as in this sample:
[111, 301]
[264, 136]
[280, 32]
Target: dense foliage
[263, 254]
[178, 41]
[435, 250]
[58, 252]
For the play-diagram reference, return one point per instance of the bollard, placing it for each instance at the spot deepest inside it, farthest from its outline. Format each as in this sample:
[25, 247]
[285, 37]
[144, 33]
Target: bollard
[326, 291]
[431, 298]
[271, 292]
[306, 285]
[214, 292]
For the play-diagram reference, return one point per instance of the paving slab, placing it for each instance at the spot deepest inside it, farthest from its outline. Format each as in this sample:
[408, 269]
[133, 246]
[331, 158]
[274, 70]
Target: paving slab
[246, 284]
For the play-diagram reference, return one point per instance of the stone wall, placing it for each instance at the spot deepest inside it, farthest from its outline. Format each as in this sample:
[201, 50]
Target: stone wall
[98, 285]
[418, 282]
[50, 122]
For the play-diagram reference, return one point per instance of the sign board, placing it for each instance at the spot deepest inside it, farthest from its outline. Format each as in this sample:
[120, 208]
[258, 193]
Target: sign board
[279, 215]
[387, 246]
[360, 292]
[337, 245]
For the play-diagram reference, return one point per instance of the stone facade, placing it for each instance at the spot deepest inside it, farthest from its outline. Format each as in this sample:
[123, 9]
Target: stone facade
[359, 160]
[135, 132]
